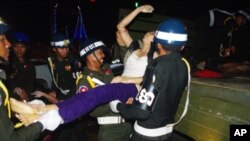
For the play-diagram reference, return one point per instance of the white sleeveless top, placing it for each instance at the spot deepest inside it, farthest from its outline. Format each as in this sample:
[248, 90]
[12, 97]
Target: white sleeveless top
[135, 66]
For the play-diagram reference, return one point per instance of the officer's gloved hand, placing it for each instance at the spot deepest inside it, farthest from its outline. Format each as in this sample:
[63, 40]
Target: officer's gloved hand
[113, 105]
[51, 120]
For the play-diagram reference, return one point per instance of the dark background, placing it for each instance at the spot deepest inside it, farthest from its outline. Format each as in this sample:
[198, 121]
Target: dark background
[100, 17]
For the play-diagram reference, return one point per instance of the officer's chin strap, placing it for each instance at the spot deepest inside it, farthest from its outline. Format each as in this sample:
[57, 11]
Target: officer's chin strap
[101, 64]
[187, 98]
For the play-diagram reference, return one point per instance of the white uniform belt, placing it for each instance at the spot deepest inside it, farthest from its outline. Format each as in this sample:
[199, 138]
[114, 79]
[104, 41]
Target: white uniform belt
[110, 120]
[152, 132]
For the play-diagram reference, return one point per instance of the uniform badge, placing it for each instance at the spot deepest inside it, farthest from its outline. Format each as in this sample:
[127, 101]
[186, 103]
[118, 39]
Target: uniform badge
[67, 67]
[82, 89]
[107, 71]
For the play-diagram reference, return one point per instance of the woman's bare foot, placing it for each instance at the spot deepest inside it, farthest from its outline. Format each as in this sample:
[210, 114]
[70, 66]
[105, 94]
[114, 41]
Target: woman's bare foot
[27, 119]
[21, 107]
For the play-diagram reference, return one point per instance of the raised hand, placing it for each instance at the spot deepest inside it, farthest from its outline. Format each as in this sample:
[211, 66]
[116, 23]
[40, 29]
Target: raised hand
[146, 8]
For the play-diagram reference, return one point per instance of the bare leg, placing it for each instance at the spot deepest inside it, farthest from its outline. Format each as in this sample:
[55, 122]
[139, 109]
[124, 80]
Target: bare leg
[21, 107]
[27, 108]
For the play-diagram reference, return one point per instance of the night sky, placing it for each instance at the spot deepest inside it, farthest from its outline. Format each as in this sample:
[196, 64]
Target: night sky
[100, 18]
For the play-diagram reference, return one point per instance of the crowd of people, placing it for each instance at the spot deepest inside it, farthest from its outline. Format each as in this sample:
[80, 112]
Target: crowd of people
[222, 41]
[139, 105]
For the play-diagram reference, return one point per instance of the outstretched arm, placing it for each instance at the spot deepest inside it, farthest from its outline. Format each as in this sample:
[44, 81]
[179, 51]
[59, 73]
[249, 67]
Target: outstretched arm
[51, 97]
[121, 79]
[121, 26]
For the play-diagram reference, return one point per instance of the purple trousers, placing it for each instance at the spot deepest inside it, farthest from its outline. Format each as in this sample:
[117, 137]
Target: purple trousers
[82, 103]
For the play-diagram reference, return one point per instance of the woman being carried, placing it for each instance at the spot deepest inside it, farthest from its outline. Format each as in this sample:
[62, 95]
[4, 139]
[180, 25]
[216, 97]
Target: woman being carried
[77, 105]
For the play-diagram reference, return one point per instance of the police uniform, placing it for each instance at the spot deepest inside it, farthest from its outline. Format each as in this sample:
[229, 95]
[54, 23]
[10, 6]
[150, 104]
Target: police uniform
[7, 131]
[168, 89]
[23, 76]
[23, 72]
[112, 126]
[63, 75]
[104, 76]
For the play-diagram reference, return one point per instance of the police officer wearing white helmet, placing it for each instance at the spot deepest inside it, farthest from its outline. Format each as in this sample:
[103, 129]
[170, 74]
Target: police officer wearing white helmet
[155, 106]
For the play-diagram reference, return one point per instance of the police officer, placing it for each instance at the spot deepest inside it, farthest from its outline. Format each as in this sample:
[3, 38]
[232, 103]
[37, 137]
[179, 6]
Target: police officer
[64, 66]
[23, 75]
[165, 78]
[92, 56]
[214, 32]
[7, 131]
[112, 126]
